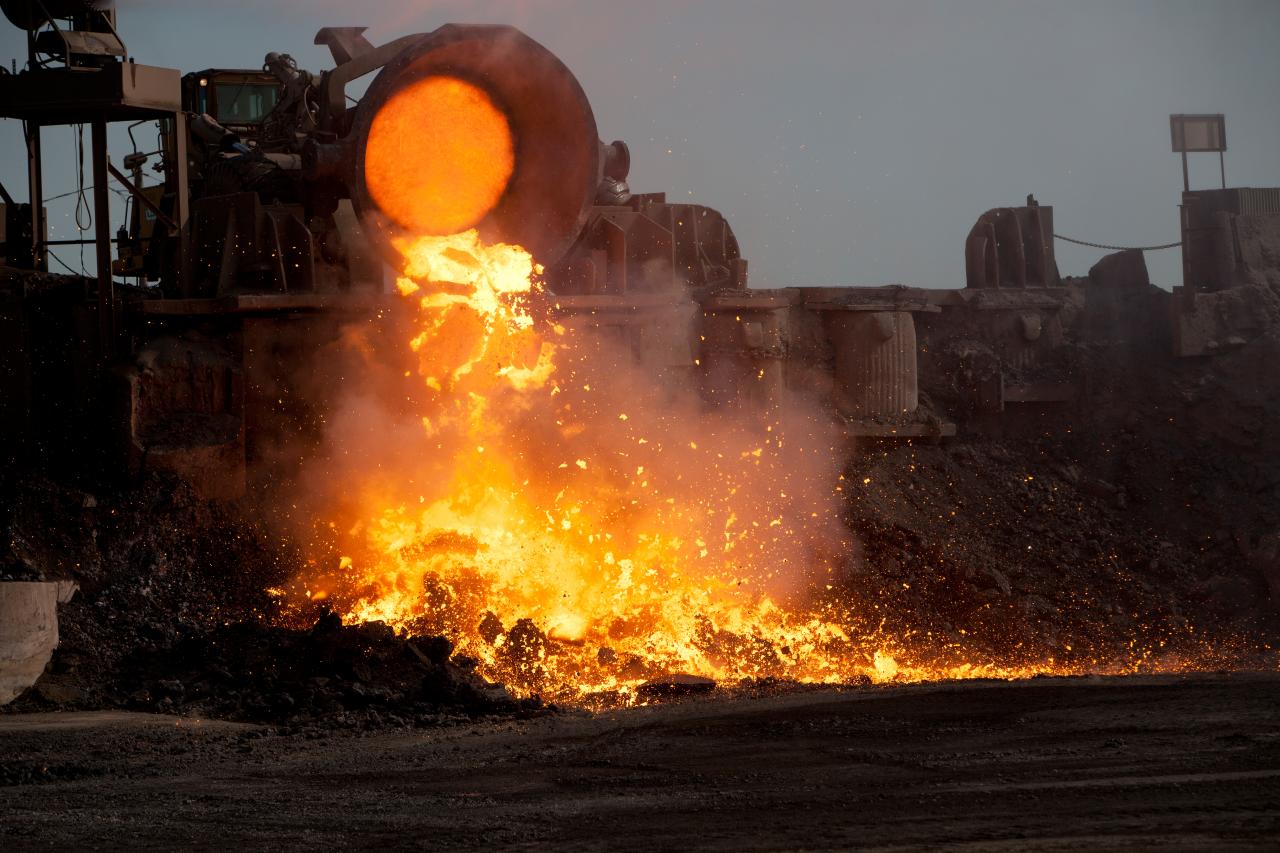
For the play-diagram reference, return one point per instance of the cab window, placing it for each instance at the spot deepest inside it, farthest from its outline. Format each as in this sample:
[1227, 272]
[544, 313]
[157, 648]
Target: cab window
[245, 103]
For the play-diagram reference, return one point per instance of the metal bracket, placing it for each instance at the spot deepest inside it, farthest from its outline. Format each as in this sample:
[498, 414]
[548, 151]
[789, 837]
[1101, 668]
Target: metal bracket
[345, 43]
[333, 85]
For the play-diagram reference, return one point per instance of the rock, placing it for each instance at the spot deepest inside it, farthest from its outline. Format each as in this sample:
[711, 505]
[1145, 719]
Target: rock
[1266, 560]
[1000, 454]
[491, 627]
[1098, 488]
[375, 633]
[1037, 607]
[999, 579]
[431, 649]
[1126, 269]
[58, 691]
[675, 686]
[1231, 593]
[497, 694]
[28, 634]
[171, 687]
[526, 644]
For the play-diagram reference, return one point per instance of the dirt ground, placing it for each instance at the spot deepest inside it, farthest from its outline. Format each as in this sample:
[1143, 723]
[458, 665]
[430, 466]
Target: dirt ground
[1137, 763]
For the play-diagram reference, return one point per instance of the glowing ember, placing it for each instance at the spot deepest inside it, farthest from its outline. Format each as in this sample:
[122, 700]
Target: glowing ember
[439, 156]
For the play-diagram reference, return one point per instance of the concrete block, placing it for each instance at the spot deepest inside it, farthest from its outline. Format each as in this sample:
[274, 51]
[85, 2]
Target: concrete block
[28, 632]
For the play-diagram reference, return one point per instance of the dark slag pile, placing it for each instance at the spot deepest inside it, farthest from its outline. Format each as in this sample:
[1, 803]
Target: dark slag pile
[353, 676]
[173, 616]
[1137, 525]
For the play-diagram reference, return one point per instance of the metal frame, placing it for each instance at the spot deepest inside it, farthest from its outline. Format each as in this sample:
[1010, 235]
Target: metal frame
[35, 193]
[123, 91]
[1178, 123]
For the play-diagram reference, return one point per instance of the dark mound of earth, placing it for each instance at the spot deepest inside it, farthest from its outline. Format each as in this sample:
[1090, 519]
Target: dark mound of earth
[174, 615]
[359, 676]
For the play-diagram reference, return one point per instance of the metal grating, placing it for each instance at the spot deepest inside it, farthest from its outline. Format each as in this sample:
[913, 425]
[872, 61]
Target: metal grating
[1236, 200]
[1250, 200]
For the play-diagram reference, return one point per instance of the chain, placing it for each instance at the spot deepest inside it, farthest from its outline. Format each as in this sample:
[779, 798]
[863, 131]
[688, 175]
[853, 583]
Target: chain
[1118, 248]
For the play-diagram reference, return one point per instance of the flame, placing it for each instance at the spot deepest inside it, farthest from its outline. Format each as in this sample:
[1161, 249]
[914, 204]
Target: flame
[439, 155]
[568, 522]
[577, 527]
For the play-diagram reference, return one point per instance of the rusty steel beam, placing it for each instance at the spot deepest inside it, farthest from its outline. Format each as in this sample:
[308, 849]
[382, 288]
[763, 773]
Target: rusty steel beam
[35, 189]
[176, 177]
[102, 235]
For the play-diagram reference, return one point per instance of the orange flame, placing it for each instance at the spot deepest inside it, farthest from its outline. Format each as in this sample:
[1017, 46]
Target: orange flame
[576, 527]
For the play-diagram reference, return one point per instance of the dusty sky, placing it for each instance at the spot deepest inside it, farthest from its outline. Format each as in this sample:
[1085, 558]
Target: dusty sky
[847, 142]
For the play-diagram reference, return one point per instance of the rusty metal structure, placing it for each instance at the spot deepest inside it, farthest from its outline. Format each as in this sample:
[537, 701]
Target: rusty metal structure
[262, 241]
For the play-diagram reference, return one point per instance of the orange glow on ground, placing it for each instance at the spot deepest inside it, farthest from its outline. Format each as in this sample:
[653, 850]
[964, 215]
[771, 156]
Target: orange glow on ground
[439, 156]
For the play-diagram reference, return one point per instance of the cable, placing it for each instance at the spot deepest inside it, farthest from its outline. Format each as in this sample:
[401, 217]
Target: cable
[131, 127]
[63, 264]
[82, 203]
[77, 191]
[116, 190]
[1118, 248]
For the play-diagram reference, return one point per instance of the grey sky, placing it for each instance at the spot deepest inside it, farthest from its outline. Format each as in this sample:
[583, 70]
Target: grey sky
[847, 142]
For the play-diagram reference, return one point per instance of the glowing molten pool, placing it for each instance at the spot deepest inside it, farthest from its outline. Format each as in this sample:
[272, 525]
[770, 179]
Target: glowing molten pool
[439, 156]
